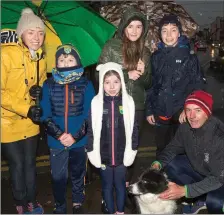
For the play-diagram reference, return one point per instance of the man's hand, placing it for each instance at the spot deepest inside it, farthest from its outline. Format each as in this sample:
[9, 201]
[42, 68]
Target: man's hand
[156, 166]
[67, 139]
[134, 74]
[182, 117]
[141, 66]
[174, 191]
[151, 119]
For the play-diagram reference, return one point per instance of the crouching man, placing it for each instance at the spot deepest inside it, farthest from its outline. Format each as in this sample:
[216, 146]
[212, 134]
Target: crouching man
[194, 159]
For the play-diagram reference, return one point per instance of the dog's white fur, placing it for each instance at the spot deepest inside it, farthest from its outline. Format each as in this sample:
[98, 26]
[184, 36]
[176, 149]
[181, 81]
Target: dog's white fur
[151, 204]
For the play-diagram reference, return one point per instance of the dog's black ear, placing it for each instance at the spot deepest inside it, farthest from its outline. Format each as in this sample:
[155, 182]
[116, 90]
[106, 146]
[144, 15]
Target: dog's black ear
[164, 173]
[145, 172]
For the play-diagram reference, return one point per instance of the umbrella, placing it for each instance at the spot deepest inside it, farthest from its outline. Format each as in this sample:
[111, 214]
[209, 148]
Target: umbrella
[66, 22]
[154, 10]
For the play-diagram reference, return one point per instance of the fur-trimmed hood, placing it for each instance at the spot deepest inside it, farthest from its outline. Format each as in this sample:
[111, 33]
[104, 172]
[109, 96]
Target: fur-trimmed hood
[97, 116]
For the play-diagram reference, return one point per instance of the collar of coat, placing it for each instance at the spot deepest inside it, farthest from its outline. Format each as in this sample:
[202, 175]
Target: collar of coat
[207, 126]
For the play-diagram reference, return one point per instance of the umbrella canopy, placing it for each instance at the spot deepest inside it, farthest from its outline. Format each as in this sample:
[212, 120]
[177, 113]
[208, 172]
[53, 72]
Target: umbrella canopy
[66, 22]
[154, 10]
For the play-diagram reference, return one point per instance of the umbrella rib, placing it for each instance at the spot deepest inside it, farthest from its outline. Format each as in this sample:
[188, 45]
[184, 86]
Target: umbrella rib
[25, 2]
[61, 12]
[10, 9]
[52, 21]
[5, 23]
[49, 28]
[8, 23]
[44, 6]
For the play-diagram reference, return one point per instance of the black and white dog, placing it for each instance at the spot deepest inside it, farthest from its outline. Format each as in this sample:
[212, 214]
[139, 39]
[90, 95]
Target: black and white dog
[146, 193]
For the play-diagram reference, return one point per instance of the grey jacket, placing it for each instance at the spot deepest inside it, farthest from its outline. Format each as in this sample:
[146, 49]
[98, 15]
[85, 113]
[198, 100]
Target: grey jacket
[204, 148]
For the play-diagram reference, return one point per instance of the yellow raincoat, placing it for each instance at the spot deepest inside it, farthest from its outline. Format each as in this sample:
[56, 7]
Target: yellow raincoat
[16, 67]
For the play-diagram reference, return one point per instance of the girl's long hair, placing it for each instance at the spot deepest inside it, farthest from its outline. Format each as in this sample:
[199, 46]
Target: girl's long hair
[132, 51]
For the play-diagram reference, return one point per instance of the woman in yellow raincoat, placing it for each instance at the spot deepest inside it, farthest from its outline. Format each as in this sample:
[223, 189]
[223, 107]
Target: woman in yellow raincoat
[19, 133]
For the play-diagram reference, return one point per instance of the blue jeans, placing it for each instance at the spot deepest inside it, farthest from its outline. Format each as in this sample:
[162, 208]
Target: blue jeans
[114, 177]
[180, 171]
[21, 156]
[62, 161]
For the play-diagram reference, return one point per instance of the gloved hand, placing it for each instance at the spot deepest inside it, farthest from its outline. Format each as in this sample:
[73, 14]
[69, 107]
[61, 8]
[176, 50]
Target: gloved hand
[36, 92]
[34, 113]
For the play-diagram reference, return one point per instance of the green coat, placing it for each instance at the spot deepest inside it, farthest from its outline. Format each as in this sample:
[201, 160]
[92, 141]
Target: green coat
[112, 52]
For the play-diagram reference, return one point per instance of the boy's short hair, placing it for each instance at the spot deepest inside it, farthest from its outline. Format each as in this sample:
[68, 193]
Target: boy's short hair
[170, 19]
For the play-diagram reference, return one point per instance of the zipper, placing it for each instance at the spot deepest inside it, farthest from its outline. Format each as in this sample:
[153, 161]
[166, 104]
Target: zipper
[72, 96]
[112, 133]
[130, 87]
[66, 108]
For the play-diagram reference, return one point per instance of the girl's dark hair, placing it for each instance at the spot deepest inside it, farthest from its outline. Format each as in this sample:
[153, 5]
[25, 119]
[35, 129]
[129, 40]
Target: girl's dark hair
[132, 51]
[110, 73]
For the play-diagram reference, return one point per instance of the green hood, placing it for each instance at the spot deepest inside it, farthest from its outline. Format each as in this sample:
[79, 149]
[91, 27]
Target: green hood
[129, 16]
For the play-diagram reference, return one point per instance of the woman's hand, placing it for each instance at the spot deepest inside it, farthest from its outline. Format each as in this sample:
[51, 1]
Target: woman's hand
[141, 66]
[134, 74]
[151, 119]
[182, 117]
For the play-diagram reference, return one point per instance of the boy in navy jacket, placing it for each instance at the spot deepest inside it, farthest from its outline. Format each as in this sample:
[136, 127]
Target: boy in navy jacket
[66, 101]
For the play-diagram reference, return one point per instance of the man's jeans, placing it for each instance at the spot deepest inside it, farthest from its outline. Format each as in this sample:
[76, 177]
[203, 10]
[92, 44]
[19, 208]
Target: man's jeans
[114, 177]
[181, 172]
[21, 156]
[62, 161]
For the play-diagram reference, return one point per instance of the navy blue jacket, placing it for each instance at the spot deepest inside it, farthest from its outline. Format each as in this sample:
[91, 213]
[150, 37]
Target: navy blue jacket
[67, 106]
[175, 74]
[112, 153]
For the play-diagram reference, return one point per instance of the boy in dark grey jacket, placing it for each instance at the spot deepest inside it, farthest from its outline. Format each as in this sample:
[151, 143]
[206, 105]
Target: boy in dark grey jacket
[194, 159]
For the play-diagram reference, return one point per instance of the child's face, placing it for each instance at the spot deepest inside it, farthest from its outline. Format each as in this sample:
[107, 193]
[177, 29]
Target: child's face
[66, 61]
[112, 85]
[170, 34]
[134, 30]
